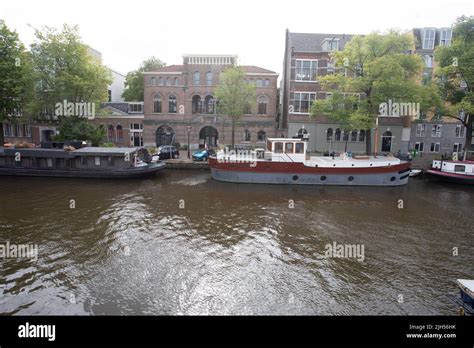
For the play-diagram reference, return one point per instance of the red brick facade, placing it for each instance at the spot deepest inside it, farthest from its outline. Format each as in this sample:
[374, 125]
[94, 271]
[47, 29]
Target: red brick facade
[181, 96]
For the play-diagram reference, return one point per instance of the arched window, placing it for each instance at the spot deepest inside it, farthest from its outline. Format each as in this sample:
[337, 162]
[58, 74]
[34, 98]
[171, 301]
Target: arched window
[362, 135]
[354, 135]
[172, 104]
[259, 83]
[153, 81]
[160, 81]
[168, 81]
[337, 136]
[196, 81]
[196, 105]
[111, 134]
[209, 104]
[246, 135]
[209, 78]
[267, 82]
[176, 81]
[119, 134]
[329, 134]
[262, 105]
[345, 136]
[157, 105]
[261, 136]
[252, 81]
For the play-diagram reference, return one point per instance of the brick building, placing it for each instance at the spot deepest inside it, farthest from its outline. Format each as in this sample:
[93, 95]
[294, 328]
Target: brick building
[306, 59]
[180, 98]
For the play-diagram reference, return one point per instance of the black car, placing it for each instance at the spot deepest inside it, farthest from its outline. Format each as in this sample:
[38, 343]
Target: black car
[167, 152]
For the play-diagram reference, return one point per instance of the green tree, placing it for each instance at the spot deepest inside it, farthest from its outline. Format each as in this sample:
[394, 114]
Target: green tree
[134, 81]
[15, 77]
[79, 128]
[66, 70]
[456, 75]
[371, 70]
[234, 95]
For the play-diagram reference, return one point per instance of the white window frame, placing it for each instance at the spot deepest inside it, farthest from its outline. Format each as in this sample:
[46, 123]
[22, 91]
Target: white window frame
[300, 99]
[459, 133]
[436, 130]
[435, 145]
[313, 70]
[446, 35]
[428, 36]
[330, 44]
[420, 130]
[458, 146]
[420, 146]
[97, 160]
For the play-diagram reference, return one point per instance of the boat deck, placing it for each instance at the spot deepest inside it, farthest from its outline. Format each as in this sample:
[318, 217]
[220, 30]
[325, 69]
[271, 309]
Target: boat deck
[368, 161]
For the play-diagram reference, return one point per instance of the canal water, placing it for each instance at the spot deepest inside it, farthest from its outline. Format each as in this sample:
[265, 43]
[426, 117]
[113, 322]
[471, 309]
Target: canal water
[182, 243]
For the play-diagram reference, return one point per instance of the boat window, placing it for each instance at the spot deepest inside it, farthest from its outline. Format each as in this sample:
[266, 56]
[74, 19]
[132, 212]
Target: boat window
[288, 147]
[269, 146]
[110, 161]
[49, 162]
[299, 148]
[459, 168]
[97, 161]
[83, 161]
[278, 147]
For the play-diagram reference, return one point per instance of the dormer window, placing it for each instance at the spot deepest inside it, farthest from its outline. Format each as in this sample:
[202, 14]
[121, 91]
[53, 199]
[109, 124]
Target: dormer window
[330, 44]
[428, 38]
[445, 38]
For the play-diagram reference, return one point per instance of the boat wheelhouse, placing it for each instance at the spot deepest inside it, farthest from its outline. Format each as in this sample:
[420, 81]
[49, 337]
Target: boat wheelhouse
[87, 162]
[459, 172]
[285, 161]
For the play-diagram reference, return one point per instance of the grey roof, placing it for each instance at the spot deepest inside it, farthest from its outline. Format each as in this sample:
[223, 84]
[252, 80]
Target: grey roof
[106, 150]
[121, 106]
[308, 42]
[59, 153]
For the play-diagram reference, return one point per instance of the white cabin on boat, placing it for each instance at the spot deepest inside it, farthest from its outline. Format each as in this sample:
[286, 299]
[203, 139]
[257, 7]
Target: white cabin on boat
[455, 167]
[286, 150]
[294, 150]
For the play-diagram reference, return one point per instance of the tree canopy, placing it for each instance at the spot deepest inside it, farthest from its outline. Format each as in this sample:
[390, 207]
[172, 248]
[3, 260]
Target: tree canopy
[234, 95]
[134, 81]
[15, 76]
[371, 70]
[456, 75]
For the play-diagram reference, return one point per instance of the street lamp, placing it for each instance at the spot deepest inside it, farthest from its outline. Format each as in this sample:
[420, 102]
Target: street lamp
[188, 128]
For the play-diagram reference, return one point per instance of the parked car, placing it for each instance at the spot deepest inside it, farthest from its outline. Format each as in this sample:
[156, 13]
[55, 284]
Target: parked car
[203, 154]
[167, 152]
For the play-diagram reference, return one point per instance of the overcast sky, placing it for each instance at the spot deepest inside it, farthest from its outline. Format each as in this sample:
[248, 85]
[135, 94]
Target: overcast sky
[127, 32]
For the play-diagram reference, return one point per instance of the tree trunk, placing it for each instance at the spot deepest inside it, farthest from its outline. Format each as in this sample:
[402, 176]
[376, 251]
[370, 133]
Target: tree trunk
[2, 139]
[233, 133]
[368, 142]
[468, 136]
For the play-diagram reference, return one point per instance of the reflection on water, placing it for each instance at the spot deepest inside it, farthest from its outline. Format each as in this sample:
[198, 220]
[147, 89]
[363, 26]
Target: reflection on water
[182, 243]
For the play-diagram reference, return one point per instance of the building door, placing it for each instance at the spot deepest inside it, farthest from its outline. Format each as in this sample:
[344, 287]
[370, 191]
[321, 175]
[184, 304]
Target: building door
[164, 136]
[208, 136]
[387, 141]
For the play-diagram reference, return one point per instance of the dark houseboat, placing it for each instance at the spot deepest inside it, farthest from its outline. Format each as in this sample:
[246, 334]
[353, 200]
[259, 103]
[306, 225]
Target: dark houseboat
[87, 162]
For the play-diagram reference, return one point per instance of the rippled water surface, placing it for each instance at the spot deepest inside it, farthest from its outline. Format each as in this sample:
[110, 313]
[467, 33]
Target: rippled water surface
[182, 243]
